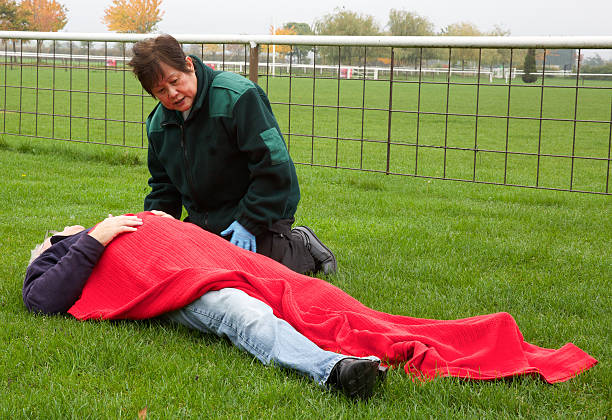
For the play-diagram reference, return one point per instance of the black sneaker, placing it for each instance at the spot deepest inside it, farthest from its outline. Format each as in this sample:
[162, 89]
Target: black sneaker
[324, 259]
[356, 377]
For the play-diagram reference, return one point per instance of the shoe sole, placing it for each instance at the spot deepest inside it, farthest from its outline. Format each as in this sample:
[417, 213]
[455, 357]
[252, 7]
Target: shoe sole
[335, 263]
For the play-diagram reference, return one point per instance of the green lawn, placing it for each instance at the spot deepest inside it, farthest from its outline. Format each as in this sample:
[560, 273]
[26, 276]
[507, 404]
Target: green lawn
[410, 246]
[434, 131]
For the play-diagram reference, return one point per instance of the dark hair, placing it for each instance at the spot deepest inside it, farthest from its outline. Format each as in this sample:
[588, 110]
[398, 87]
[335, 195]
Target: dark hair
[149, 53]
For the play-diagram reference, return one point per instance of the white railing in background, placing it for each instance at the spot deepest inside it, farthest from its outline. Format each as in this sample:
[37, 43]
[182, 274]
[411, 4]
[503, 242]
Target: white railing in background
[368, 115]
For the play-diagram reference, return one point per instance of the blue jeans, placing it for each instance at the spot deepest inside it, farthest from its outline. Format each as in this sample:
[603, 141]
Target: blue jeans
[251, 326]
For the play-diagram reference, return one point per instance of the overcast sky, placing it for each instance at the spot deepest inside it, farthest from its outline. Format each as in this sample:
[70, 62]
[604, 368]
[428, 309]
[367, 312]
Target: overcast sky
[521, 17]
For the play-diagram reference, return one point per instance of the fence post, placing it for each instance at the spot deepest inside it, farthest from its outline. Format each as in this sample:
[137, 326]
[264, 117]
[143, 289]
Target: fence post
[254, 62]
[390, 111]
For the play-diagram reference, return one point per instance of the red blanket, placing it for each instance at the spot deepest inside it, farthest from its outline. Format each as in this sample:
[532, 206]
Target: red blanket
[167, 264]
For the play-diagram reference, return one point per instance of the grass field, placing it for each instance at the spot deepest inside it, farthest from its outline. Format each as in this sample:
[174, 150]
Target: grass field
[523, 134]
[418, 247]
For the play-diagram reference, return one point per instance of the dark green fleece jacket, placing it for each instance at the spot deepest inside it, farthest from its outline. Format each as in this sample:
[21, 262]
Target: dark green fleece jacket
[227, 161]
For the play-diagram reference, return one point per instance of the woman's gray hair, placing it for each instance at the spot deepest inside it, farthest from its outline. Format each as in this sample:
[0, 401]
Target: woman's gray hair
[38, 249]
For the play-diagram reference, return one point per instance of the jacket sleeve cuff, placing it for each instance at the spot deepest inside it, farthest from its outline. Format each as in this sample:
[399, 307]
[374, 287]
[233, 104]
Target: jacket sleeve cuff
[91, 248]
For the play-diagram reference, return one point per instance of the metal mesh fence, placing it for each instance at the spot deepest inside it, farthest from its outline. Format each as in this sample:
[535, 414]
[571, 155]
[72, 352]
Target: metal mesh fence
[455, 113]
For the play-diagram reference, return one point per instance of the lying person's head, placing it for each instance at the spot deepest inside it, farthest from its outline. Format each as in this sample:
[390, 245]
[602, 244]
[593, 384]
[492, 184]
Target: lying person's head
[103, 232]
[47, 242]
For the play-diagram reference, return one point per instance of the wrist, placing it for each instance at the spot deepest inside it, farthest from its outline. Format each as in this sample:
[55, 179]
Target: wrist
[96, 237]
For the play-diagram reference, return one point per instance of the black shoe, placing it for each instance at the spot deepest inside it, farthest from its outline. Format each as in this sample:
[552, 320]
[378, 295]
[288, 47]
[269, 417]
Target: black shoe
[356, 377]
[324, 259]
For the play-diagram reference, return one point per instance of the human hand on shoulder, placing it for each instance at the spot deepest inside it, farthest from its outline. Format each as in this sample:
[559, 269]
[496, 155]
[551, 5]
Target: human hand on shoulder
[109, 228]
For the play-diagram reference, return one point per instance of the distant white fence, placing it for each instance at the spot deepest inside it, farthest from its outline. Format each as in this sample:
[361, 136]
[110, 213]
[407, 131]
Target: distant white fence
[441, 118]
[345, 72]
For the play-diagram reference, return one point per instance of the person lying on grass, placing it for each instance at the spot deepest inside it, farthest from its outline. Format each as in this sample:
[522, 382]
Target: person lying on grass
[60, 266]
[148, 265]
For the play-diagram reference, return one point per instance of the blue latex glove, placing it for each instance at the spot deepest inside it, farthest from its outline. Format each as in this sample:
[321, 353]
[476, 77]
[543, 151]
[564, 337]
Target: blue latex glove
[241, 237]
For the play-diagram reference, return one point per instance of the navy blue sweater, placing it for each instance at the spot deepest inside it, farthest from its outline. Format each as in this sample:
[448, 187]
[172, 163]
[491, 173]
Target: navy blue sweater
[54, 281]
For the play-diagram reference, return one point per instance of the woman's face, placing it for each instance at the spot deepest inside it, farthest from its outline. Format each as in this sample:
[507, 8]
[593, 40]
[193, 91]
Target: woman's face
[176, 90]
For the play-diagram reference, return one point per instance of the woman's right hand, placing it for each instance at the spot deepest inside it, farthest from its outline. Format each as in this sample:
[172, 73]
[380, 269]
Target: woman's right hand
[109, 228]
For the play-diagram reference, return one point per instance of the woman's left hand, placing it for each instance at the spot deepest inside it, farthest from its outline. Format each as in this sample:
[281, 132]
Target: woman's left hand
[241, 237]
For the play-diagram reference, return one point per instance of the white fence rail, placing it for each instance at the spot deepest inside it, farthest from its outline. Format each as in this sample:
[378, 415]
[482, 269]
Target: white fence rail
[463, 113]
[538, 42]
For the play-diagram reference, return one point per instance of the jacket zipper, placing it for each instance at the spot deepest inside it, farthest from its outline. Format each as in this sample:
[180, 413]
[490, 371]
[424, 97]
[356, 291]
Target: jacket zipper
[188, 169]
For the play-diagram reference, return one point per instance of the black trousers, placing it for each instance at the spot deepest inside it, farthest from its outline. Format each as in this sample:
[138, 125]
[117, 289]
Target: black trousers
[279, 244]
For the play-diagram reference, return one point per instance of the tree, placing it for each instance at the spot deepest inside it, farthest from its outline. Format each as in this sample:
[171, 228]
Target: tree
[463, 29]
[133, 16]
[280, 49]
[345, 22]
[211, 51]
[529, 67]
[596, 64]
[593, 61]
[404, 23]
[12, 18]
[8, 15]
[300, 28]
[497, 56]
[44, 15]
